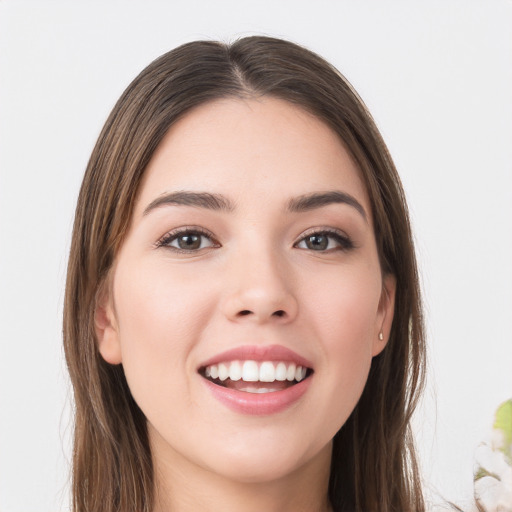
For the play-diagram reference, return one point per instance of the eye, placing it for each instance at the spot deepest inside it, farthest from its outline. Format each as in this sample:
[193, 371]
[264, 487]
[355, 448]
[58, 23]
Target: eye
[187, 240]
[325, 241]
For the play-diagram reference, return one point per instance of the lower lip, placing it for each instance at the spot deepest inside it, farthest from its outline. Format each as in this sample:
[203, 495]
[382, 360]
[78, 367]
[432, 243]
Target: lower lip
[258, 403]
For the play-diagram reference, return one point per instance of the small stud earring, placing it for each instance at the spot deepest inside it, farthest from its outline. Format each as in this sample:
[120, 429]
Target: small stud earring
[381, 336]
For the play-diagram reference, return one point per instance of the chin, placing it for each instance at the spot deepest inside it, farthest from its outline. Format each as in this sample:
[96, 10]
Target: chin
[266, 464]
[249, 471]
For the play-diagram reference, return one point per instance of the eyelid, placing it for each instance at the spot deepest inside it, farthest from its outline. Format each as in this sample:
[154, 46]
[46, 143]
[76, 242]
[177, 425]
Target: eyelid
[345, 241]
[176, 232]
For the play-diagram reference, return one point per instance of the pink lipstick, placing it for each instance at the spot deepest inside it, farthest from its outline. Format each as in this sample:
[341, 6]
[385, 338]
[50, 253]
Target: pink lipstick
[257, 379]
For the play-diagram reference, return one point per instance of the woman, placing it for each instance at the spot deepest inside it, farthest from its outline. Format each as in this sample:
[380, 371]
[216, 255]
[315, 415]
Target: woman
[242, 320]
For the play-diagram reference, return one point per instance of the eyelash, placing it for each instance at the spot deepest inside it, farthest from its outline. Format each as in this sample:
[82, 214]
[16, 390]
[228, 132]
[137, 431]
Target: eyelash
[166, 240]
[344, 242]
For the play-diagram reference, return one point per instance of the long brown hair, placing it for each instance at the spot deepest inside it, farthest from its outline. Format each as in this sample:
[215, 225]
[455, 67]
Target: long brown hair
[374, 466]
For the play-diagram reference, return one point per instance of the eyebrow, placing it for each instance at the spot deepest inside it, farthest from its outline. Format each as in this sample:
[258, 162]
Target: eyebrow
[196, 199]
[315, 200]
[219, 202]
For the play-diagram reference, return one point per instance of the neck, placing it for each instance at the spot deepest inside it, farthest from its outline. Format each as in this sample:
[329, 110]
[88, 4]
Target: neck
[181, 486]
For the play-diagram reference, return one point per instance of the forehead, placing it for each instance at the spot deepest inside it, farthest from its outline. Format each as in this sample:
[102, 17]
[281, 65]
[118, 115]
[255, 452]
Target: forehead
[254, 150]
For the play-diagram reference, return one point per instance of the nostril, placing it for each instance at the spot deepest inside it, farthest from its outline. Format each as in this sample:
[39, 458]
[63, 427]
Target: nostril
[246, 312]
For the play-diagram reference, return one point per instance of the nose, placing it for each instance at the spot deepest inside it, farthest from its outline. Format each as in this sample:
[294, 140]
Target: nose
[260, 291]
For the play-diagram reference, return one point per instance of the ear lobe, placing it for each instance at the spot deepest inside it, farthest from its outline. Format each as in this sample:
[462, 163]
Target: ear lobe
[385, 314]
[106, 329]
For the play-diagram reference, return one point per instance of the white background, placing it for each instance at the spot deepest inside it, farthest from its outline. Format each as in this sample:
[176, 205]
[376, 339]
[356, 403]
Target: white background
[437, 77]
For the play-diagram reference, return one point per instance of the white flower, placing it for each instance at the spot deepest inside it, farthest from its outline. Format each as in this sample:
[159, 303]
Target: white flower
[493, 477]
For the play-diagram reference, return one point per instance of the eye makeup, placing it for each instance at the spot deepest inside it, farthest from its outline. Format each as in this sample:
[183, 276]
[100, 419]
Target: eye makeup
[187, 239]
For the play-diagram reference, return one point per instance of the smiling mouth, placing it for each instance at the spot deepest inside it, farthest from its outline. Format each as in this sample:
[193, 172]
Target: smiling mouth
[255, 376]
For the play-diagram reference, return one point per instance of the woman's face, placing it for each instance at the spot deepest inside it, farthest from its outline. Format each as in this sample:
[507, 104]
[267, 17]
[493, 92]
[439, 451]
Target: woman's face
[250, 254]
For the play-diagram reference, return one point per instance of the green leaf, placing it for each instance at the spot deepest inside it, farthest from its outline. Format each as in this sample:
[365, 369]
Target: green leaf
[503, 423]
[481, 472]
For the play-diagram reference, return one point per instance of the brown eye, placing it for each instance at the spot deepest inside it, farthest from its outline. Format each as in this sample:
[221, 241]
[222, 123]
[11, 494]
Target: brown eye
[187, 241]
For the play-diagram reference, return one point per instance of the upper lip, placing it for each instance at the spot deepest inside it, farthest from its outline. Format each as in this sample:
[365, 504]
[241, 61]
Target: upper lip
[258, 353]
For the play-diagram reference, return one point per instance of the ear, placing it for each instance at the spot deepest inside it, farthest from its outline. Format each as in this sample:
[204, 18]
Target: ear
[384, 314]
[107, 332]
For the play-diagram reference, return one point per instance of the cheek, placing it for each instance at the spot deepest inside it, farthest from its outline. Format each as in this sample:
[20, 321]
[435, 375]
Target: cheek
[154, 300]
[344, 308]
[159, 315]
[344, 318]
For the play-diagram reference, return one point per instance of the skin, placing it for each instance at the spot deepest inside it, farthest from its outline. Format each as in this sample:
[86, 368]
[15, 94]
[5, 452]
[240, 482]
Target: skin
[166, 311]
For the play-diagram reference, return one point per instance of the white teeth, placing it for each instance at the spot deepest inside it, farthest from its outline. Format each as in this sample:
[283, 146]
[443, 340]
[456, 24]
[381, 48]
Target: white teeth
[281, 372]
[252, 371]
[235, 370]
[290, 372]
[267, 372]
[223, 371]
